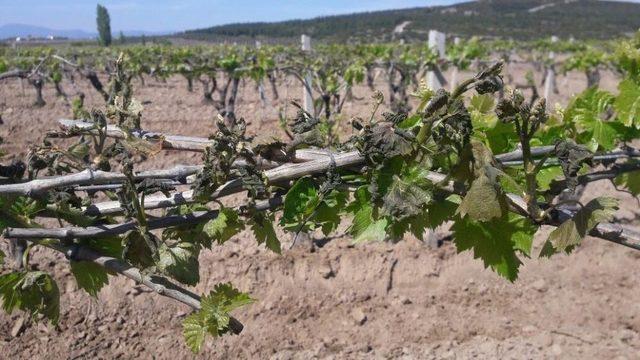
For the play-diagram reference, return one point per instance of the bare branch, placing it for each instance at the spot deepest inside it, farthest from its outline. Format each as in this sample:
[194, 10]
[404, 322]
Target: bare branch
[159, 284]
[118, 229]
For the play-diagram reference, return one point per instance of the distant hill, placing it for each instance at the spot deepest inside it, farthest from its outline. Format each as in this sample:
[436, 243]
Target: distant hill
[518, 19]
[23, 30]
[9, 31]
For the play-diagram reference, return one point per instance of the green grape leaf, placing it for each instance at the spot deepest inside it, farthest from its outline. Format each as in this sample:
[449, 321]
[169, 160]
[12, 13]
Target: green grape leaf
[192, 233]
[627, 104]
[364, 227]
[375, 231]
[482, 103]
[571, 232]
[33, 291]
[136, 251]
[108, 246]
[180, 262]
[496, 242]
[90, 276]
[262, 227]
[226, 225]
[299, 203]
[587, 112]
[213, 317]
[328, 213]
[547, 175]
[604, 135]
[630, 181]
[484, 200]
[195, 331]
[304, 204]
[440, 211]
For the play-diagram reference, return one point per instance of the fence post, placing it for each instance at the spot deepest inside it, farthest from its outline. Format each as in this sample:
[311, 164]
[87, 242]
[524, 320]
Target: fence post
[303, 239]
[550, 80]
[263, 96]
[435, 79]
[454, 74]
[307, 99]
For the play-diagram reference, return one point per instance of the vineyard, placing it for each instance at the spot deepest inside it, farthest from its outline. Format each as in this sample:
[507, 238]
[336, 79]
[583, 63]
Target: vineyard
[235, 200]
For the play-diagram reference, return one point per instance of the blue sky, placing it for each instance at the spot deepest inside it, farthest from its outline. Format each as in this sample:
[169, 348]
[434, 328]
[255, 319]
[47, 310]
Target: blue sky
[173, 15]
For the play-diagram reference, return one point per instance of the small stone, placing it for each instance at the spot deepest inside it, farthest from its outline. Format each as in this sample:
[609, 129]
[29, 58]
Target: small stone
[482, 289]
[529, 329]
[44, 339]
[626, 335]
[539, 285]
[359, 316]
[81, 335]
[18, 327]
[42, 328]
[556, 350]
[326, 271]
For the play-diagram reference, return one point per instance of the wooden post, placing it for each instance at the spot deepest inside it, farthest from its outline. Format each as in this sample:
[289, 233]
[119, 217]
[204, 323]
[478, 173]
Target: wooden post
[307, 99]
[263, 96]
[454, 74]
[435, 79]
[303, 239]
[550, 80]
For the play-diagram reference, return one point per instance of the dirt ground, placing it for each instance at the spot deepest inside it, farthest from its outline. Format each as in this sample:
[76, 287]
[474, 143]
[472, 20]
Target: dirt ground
[370, 301]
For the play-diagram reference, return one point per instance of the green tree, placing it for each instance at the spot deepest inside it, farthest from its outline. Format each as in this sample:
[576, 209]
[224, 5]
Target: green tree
[104, 25]
[121, 38]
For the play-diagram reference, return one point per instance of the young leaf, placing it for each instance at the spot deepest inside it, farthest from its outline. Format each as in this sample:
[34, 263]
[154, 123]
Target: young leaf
[630, 181]
[224, 226]
[587, 112]
[180, 262]
[304, 205]
[571, 232]
[496, 242]
[484, 201]
[108, 246]
[299, 203]
[262, 227]
[627, 103]
[136, 251]
[482, 103]
[33, 291]
[547, 175]
[195, 330]
[364, 227]
[213, 317]
[90, 277]
[327, 214]
[375, 231]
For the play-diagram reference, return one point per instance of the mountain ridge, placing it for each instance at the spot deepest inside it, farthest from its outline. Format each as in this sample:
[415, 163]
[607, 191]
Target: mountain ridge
[521, 19]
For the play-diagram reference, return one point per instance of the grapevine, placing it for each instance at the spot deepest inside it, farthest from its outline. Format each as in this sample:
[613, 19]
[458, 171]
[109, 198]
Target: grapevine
[494, 171]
